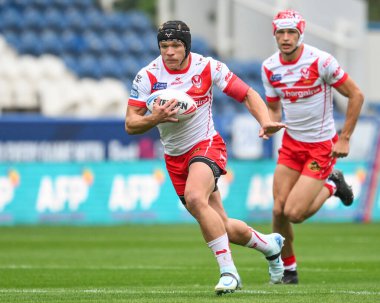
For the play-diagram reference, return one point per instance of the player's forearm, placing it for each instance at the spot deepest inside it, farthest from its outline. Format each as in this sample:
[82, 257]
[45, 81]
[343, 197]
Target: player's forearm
[353, 111]
[139, 124]
[275, 114]
[256, 106]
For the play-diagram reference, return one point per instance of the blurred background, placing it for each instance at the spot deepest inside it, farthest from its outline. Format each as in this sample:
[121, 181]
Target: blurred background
[66, 68]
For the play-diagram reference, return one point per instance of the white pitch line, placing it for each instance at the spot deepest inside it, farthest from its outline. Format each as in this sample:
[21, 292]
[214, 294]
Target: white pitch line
[149, 267]
[145, 291]
[142, 267]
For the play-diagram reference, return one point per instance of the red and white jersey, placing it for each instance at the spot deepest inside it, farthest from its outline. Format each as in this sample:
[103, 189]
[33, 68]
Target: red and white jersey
[197, 80]
[304, 87]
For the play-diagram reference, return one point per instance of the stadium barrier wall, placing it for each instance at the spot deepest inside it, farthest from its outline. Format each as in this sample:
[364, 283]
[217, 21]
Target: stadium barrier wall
[141, 192]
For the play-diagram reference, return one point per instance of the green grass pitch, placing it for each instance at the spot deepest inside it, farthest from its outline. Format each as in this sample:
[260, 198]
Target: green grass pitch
[171, 263]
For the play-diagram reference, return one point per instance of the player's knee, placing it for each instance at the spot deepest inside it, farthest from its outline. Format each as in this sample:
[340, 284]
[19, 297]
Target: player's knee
[194, 202]
[278, 210]
[294, 216]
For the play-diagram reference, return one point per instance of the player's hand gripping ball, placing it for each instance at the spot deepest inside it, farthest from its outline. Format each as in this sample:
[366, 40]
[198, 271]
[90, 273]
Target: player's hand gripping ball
[187, 105]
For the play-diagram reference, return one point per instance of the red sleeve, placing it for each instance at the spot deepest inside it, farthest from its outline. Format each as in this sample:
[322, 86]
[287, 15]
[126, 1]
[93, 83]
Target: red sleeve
[236, 88]
[341, 81]
[137, 103]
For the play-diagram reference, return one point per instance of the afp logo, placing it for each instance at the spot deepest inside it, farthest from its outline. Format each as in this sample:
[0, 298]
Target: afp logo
[57, 193]
[7, 188]
[136, 191]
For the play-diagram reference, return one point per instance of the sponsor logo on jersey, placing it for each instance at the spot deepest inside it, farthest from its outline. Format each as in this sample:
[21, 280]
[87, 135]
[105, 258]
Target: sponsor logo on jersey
[134, 91]
[197, 81]
[218, 66]
[160, 85]
[138, 78]
[275, 78]
[327, 62]
[228, 76]
[293, 94]
[203, 100]
[177, 81]
[289, 72]
[337, 72]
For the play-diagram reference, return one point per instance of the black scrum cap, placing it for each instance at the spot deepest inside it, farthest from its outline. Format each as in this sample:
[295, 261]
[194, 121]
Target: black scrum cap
[177, 30]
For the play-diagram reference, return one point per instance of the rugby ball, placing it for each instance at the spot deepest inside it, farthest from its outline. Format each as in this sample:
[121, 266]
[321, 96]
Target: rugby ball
[186, 104]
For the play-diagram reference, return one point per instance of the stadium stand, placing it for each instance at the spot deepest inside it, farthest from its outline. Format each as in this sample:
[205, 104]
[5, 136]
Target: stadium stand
[66, 54]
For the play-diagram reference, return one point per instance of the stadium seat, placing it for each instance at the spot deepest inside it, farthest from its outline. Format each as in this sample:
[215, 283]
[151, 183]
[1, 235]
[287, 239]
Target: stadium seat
[30, 68]
[51, 67]
[75, 20]
[51, 43]
[114, 45]
[139, 21]
[89, 67]
[133, 44]
[73, 43]
[55, 20]
[95, 44]
[130, 66]
[29, 43]
[95, 20]
[5, 94]
[110, 67]
[60, 98]
[24, 95]
[11, 19]
[33, 19]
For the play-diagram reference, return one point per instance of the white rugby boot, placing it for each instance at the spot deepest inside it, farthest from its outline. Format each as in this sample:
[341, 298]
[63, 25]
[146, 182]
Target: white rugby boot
[228, 283]
[276, 265]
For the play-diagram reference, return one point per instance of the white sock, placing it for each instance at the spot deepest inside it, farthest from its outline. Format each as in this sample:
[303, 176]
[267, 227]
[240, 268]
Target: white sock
[259, 242]
[222, 252]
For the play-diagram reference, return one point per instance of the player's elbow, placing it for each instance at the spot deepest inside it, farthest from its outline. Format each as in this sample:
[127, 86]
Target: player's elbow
[129, 129]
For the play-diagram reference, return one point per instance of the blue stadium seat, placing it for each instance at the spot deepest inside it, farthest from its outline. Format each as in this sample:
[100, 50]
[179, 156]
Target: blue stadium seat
[94, 43]
[12, 38]
[88, 66]
[130, 67]
[83, 4]
[33, 19]
[11, 19]
[55, 19]
[71, 62]
[139, 21]
[118, 22]
[113, 42]
[95, 20]
[51, 43]
[199, 45]
[133, 44]
[110, 66]
[150, 45]
[75, 20]
[73, 42]
[29, 43]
